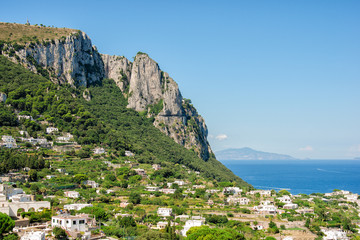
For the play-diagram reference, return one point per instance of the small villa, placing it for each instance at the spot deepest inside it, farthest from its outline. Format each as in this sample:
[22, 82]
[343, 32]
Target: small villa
[72, 194]
[51, 130]
[164, 212]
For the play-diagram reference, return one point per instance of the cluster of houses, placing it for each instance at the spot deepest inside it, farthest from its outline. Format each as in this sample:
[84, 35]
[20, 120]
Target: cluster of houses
[344, 196]
[14, 200]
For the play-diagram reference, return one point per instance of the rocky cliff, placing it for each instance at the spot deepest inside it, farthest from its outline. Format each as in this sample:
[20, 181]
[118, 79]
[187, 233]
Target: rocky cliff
[155, 94]
[72, 59]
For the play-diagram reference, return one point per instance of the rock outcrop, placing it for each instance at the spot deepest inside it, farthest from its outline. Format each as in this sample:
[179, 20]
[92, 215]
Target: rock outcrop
[154, 92]
[3, 97]
[119, 69]
[71, 59]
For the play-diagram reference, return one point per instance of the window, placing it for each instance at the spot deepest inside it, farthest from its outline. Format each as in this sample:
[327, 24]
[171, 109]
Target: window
[81, 221]
[74, 222]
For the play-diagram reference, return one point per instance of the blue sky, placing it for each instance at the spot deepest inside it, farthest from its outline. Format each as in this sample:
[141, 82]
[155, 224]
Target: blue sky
[277, 76]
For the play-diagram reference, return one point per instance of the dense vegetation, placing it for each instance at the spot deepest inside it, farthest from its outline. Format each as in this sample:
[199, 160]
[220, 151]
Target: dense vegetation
[104, 120]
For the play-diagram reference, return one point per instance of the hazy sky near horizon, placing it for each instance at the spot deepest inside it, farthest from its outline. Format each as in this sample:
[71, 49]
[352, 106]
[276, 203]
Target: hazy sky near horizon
[276, 76]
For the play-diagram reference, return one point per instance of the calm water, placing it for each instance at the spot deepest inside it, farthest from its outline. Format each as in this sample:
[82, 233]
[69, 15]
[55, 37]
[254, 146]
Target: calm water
[299, 176]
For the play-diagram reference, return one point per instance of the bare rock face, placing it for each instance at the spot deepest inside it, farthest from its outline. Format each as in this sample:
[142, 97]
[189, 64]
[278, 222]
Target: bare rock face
[3, 97]
[153, 91]
[145, 83]
[70, 60]
[118, 69]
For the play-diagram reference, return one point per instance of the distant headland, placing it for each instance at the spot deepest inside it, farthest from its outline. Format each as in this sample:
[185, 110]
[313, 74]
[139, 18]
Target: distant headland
[249, 154]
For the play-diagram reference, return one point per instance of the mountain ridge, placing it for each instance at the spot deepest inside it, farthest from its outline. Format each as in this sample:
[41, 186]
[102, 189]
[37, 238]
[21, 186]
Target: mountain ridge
[247, 153]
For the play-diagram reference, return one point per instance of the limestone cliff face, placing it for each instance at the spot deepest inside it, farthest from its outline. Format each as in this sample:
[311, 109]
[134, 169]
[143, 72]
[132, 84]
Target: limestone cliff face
[119, 69]
[70, 60]
[154, 92]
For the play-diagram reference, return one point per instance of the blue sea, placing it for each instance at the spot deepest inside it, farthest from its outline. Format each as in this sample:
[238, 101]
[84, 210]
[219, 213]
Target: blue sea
[299, 176]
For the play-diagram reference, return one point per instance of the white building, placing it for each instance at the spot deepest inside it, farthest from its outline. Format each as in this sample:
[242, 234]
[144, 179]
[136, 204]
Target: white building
[265, 209]
[162, 225]
[152, 189]
[191, 223]
[91, 183]
[70, 223]
[51, 130]
[72, 194]
[23, 132]
[237, 200]
[285, 199]
[8, 191]
[38, 235]
[156, 167]
[334, 234]
[8, 141]
[351, 197]
[140, 172]
[168, 190]
[19, 117]
[19, 201]
[261, 192]
[182, 217]
[21, 198]
[77, 206]
[66, 138]
[180, 182]
[129, 154]
[7, 138]
[99, 150]
[290, 206]
[164, 212]
[232, 190]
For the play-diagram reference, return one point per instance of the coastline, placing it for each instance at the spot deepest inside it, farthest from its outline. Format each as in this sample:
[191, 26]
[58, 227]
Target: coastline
[299, 176]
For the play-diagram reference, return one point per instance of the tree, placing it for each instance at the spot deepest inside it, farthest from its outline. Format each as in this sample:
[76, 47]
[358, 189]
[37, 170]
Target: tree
[135, 198]
[33, 176]
[126, 221]
[59, 233]
[98, 212]
[79, 178]
[34, 188]
[6, 224]
[150, 235]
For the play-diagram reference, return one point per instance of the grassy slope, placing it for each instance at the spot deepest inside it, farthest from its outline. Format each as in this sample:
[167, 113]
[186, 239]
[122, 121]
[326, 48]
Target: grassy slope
[21, 33]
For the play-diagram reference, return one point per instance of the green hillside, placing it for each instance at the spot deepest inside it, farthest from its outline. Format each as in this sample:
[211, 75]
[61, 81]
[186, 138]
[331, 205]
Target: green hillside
[104, 120]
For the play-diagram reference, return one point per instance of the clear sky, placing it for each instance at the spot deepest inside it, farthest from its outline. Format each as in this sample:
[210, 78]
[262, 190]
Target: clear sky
[277, 76]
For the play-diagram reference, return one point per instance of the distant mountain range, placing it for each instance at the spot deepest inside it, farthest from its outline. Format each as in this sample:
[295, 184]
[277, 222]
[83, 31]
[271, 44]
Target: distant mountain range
[249, 154]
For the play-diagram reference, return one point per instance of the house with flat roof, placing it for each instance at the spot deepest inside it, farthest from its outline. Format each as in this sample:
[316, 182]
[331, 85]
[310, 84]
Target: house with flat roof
[51, 130]
[164, 212]
[72, 194]
[191, 223]
[233, 200]
[77, 206]
[70, 223]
